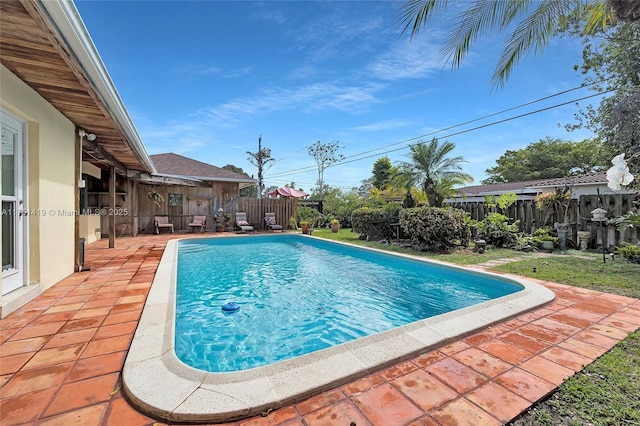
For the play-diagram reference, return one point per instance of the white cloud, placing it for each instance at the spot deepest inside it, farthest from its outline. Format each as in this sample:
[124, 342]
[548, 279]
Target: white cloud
[416, 58]
[384, 125]
[312, 97]
[272, 15]
[195, 69]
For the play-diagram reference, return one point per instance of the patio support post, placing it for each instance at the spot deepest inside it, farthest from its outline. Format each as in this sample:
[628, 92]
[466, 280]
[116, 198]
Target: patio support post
[112, 206]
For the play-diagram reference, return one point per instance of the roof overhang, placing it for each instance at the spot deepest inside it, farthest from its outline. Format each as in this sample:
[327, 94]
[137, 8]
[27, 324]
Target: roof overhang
[169, 179]
[243, 183]
[46, 44]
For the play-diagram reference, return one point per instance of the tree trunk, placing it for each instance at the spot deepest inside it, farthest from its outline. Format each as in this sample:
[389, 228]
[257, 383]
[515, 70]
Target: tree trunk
[626, 10]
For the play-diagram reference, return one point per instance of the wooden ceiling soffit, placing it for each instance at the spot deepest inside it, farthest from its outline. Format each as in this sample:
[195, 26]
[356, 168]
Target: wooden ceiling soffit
[101, 157]
[35, 52]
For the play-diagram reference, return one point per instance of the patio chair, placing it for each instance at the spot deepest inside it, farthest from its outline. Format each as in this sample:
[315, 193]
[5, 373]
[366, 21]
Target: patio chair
[162, 222]
[241, 223]
[270, 221]
[199, 222]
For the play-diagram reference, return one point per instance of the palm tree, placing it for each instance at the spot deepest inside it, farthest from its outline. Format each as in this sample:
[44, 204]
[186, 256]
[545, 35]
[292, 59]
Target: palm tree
[432, 170]
[538, 21]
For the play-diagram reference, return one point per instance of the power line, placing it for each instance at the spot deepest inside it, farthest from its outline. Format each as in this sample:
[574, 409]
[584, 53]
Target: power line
[483, 126]
[362, 155]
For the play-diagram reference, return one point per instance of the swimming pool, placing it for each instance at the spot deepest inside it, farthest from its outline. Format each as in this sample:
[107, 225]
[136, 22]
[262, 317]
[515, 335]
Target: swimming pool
[156, 381]
[296, 295]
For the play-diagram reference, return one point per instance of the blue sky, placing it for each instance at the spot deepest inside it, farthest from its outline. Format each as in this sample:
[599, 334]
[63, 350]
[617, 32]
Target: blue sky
[204, 79]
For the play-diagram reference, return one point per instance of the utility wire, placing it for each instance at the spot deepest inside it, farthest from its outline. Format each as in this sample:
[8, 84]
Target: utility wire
[476, 119]
[406, 142]
[480, 127]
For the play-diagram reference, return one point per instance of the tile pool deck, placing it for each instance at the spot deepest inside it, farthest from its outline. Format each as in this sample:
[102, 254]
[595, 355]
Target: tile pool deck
[61, 356]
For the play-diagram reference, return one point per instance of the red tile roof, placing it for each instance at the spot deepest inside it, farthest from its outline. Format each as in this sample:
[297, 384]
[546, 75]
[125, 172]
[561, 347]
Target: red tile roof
[178, 165]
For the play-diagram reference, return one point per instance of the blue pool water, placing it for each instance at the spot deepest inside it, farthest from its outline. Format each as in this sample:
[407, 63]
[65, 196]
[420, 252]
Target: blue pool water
[298, 295]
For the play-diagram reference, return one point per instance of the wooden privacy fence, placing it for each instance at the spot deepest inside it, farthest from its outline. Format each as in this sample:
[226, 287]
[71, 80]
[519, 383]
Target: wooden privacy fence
[181, 203]
[578, 216]
[284, 209]
[254, 207]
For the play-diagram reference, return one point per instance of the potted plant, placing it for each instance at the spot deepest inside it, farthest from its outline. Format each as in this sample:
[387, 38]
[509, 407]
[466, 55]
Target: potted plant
[227, 221]
[218, 224]
[543, 238]
[335, 225]
[548, 242]
[156, 197]
[306, 226]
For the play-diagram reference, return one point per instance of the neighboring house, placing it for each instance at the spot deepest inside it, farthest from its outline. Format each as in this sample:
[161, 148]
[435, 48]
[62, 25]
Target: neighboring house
[527, 190]
[63, 123]
[189, 187]
[174, 165]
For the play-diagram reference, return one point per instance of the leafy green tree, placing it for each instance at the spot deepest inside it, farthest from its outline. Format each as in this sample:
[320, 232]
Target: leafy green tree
[533, 23]
[269, 189]
[325, 155]
[248, 191]
[365, 187]
[340, 205]
[434, 171]
[549, 158]
[611, 64]
[382, 171]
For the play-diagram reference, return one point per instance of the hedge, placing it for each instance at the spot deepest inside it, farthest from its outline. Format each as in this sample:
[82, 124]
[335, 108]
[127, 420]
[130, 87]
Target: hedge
[434, 228]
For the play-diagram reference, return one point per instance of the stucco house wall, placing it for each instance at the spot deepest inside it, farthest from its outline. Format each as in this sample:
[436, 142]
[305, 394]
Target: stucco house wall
[50, 159]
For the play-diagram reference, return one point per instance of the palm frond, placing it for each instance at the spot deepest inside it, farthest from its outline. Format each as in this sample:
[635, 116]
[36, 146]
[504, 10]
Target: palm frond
[533, 32]
[482, 17]
[538, 22]
[414, 14]
[599, 17]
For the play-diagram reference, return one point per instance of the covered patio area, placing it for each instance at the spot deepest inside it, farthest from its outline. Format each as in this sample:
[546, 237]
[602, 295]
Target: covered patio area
[62, 355]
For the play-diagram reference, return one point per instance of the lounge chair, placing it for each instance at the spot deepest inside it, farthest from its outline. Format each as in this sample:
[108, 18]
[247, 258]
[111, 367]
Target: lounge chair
[199, 222]
[241, 223]
[270, 221]
[162, 222]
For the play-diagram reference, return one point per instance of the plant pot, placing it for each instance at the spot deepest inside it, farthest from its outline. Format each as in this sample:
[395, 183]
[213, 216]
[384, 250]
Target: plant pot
[547, 245]
[219, 228]
[583, 239]
[335, 227]
[305, 229]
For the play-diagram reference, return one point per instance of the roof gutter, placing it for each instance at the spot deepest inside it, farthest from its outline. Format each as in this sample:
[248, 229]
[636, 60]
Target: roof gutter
[65, 19]
[208, 178]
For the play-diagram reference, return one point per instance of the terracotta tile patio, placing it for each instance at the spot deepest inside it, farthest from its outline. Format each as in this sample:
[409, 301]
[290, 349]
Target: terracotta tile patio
[62, 353]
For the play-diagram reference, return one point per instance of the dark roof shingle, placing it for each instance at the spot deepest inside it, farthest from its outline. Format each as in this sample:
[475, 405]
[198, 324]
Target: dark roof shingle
[174, 164]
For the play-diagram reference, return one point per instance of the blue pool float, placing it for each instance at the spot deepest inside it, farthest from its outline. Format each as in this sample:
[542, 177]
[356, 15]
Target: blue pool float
[230, 307]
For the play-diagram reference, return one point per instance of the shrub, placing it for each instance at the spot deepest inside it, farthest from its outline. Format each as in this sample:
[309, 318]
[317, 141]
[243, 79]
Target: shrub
[375, 222]
[496, 230]
[308, 214]
[434, 228]
[629, 220]
[629, 252]
[541, 235]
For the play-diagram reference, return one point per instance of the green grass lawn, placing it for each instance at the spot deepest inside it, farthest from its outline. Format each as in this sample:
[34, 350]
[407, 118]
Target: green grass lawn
[606, 392]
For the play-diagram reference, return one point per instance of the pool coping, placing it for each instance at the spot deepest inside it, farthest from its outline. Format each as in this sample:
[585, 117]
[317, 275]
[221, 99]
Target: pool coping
[157, 382]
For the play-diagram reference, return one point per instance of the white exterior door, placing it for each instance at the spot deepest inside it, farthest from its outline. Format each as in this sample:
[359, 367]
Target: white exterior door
[14, 209]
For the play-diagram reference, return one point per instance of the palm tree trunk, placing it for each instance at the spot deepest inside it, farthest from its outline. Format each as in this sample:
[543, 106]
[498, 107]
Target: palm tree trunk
[626, 10]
